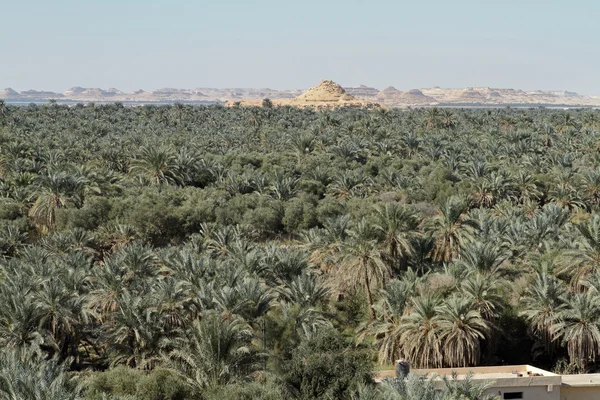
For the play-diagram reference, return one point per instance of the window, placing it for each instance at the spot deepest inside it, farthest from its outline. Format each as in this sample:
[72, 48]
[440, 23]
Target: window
[513, 395]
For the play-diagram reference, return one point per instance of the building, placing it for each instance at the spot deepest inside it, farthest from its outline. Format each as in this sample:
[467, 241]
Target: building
[520, 382]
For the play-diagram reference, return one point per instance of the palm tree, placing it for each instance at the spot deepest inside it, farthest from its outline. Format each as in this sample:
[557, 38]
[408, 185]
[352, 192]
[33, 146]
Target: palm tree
[61, 312]
[448, 119]
[19, 316]
[347, 150]
[466, 388]
[566, 121]
[302, 144]
[116, 235]
[243, 296]
[3, 108]
[362, 264]
[483, 195]
[283, 187]
[186, 167]
[179, 112]
[591, 186]
[171, 296]
[462, 329]
[411, 142]
[450, 228]
[107, 284]
[542, 302]
[56, 190]
[280, 266]
[397, 226]
[349, 183]
[546, 225]
[577, 326]
[481, 257]
[485, 293]
[138, 262]
[565, 195]
[220, 240]
[304, 290]
[584, 258]
[215, 351]
[526, 186]
[135, 333]
[432, 118]
[156, 165]
[388, 328]
[26, 374]
[11, 239]
[414, 387]
[258, 298]
[420, 333]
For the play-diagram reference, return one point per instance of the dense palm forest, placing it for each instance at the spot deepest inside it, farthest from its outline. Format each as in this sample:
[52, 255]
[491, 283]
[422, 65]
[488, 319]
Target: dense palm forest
[184, 252]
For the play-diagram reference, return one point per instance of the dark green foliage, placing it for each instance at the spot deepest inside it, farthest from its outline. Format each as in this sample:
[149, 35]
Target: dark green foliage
[201, 251]
[123, 382]
[300, 214]
[9, 210]
[94, 213]
[325, 366]
[24, 374]
[248, 391]
[415, 387]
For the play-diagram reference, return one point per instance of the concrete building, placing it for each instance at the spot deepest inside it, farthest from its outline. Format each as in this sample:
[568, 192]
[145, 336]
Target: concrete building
[520, 382]
[580, 387]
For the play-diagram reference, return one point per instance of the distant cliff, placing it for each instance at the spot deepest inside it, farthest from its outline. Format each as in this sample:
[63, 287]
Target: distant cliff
[473, 96]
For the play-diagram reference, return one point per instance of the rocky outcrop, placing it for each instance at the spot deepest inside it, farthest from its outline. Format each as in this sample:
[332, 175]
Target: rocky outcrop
[395, 98]
[96, 93]
[9, 93]
[327, 94]
[247, 94]
[362, 92]
[327, 91]
[74, 91]
[493, 96]
[388, 93]
[39, 95]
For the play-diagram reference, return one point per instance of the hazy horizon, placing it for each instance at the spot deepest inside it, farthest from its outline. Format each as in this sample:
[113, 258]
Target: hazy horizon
[149, 45]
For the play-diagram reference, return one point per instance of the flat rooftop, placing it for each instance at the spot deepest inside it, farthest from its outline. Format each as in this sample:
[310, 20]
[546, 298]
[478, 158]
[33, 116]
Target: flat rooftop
[504, 375]
[581, 380]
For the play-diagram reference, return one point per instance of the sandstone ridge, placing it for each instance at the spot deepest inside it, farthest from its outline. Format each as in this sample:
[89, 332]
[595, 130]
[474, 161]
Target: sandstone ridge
[327, 94]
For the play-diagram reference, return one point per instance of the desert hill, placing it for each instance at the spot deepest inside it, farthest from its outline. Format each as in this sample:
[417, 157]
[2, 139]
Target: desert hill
[327, 94]
[327, 91]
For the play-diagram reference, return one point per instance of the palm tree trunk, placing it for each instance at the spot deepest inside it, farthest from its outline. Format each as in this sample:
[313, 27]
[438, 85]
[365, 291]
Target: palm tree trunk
[369, 295]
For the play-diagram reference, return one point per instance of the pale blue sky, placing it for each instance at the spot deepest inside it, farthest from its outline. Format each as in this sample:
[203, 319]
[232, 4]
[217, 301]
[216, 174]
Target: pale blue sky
[150, 44]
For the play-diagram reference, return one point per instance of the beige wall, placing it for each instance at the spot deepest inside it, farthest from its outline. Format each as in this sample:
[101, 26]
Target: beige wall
[579, 393]
[532, 393]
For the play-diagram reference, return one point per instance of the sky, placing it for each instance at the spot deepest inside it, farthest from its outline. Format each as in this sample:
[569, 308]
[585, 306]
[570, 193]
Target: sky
[284, 44]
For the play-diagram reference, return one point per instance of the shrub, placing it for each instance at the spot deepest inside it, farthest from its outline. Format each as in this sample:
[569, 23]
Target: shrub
[325, 366]
[134, 384]
[246, 391]
[300, 214]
